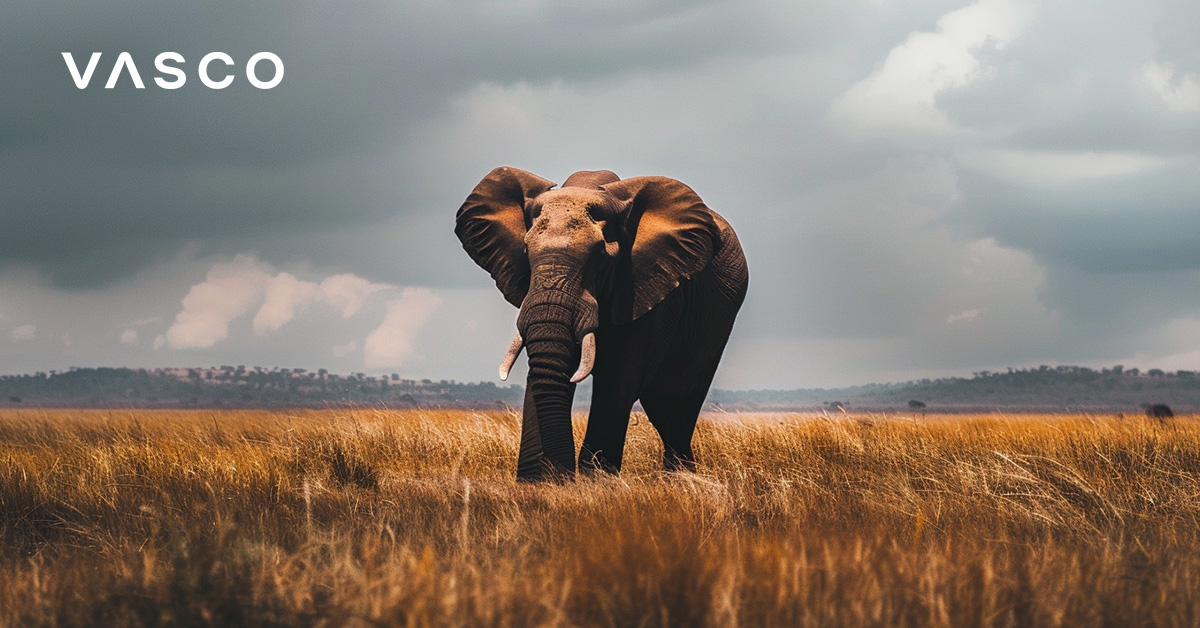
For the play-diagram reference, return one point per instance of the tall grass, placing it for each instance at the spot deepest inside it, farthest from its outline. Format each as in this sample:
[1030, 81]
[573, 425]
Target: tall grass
[412, 518]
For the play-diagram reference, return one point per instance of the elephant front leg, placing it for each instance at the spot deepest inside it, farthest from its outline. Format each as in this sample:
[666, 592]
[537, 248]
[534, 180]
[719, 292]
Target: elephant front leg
[604, 443]
[608, 423]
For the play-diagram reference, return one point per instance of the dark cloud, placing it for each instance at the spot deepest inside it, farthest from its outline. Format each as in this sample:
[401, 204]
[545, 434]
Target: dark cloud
[84, 169]
[1072, 80]
[1138, 223]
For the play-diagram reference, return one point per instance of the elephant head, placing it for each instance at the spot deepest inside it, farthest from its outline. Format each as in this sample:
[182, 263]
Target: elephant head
[598, 251]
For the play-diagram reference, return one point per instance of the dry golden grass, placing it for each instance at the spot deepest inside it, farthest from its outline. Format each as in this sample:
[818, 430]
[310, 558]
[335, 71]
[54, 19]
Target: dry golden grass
[412, 518]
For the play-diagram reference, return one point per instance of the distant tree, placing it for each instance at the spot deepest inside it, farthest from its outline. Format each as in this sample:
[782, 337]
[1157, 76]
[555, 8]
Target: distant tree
[916, 405]
[1155, 373]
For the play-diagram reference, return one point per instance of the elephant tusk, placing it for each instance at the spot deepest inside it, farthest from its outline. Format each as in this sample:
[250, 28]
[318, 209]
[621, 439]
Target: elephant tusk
[510, 358]
[587, 358]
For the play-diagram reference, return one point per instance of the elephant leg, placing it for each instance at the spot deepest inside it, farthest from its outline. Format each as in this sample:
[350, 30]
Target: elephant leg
[604, 442]
[674, 416]
[615, 381]
[625, 357]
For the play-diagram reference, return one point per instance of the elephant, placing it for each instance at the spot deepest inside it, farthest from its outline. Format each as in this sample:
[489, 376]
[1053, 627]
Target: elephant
[635, 280]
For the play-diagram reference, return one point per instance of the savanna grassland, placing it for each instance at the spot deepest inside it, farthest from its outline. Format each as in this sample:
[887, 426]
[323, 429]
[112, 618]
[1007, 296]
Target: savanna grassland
[413, 518]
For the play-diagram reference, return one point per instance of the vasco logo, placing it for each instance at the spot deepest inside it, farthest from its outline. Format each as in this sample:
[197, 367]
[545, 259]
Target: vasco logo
[125, 62]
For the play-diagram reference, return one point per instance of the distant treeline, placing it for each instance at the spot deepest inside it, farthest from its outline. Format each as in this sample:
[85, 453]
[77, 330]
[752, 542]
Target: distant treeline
[1044, 388]
[241, 387]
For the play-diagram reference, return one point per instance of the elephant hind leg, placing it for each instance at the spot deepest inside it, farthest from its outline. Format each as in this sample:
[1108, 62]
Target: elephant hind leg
[674, 417]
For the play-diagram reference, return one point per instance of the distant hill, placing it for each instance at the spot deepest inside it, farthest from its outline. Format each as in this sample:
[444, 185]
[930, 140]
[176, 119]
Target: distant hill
[1046, 389]
[241, 387]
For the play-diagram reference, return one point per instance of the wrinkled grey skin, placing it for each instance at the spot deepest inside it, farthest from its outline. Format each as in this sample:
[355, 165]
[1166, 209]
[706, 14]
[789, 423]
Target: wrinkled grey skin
[638, 268]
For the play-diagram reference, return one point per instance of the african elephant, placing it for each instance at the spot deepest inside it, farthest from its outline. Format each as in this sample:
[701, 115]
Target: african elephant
[634, 281]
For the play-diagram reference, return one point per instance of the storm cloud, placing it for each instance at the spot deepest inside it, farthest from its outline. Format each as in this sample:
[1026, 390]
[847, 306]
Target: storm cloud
[921, 188]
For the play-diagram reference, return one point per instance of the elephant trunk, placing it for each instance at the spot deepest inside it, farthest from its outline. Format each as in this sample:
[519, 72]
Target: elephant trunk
[555, 325]
[551, 354]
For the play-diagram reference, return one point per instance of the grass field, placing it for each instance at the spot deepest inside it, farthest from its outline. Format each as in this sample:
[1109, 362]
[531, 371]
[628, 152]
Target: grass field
[412, 518]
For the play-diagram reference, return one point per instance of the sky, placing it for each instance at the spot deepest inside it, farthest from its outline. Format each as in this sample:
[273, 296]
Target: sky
[922, 188]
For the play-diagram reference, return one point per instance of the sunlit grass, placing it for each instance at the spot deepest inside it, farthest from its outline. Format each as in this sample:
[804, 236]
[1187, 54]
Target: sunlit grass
[411, 518]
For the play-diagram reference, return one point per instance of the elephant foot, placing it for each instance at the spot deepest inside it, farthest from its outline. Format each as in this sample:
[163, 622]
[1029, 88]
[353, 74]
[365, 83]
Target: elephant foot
[676, 462]
[593, 462]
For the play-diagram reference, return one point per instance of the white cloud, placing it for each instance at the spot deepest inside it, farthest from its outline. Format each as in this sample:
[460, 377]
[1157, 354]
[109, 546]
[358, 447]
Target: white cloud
[231, 289]
[24, 333]
[284, 295]
[1180, 92]
[901, 95]
[129, 337]
[228, 291]
[391, 344]
[347, 292]
[1051, 167]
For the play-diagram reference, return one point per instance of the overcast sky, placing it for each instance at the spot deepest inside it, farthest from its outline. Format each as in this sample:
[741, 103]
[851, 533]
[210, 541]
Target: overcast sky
[922, 188]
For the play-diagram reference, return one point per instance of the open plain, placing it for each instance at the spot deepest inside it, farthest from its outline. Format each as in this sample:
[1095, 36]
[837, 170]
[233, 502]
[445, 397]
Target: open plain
[365, 517]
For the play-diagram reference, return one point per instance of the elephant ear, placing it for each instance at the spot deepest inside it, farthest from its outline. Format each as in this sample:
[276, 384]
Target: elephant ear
[670, 236]
[491, 227]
